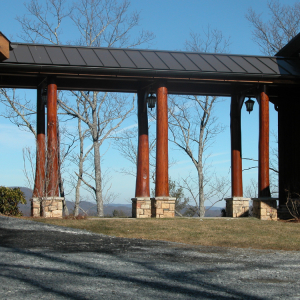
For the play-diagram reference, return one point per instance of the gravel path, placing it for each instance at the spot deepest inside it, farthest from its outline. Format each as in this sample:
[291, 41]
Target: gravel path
[40, 261]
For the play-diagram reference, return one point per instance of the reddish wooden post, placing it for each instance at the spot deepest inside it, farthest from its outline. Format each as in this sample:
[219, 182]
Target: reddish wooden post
[265, 207]
[162, 177]
[39, 183]
[162, 206]
[263, 160]
[236, 148]
[141, 204]
[52, 147]
[142, 178]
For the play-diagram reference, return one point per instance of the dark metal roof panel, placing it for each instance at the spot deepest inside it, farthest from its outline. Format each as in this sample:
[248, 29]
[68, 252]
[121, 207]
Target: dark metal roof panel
[23, 54]
[244, 64]
[288, 65]
[40, 55]
[154, 60]
[106, 58]
[273, 65]
[12, 58]
[259, 65]
[170, 61]
[185, 61]
[57, 56]
[200, 62]
[73, 56]
[230, 64]
[215, 63]
[90, 57]
[138, 59]
[123, 59]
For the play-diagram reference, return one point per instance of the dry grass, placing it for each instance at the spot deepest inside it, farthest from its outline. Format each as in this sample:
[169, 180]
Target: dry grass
[223, 232]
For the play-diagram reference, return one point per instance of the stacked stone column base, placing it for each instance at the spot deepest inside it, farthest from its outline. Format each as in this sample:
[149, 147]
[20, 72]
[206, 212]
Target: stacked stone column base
[141, 207]
[48, 207]
[163, 207]
[237, 207]
[265, 208]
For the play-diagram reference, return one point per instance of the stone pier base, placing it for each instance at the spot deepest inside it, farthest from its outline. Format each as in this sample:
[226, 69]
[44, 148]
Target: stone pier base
[265, 208]
[163, 207]
[290, 210]
[50, 207]
[237, 207]
[141, 207]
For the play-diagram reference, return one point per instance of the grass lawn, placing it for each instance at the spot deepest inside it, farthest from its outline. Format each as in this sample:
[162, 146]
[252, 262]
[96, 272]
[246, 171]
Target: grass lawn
[223, 232]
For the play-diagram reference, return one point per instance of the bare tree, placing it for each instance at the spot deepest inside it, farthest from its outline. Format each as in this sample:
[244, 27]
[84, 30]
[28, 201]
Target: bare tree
[99, 23]
[283, 25]
[192, 124]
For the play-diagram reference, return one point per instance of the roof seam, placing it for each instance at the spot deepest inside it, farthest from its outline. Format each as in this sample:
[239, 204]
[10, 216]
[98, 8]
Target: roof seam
[130, 59]
[48, 55]
[214, 55]
[177, 61]
[147, 60]
[251, 65]
[275, 60]
[237, 63]
[161, 60]
[114, 58]
[207, 62]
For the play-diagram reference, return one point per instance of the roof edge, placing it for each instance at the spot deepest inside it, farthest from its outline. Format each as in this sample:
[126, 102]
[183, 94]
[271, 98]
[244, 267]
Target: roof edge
[291, 49]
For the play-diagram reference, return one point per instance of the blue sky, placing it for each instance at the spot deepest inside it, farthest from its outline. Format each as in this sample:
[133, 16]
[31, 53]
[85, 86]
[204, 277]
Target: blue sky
[171, 21]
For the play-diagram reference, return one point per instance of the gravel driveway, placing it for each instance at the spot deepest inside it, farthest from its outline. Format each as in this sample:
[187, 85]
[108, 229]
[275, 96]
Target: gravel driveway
[40, 261]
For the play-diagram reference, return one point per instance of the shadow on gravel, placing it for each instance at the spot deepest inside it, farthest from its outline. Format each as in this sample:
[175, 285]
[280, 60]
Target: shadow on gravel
[61, 263]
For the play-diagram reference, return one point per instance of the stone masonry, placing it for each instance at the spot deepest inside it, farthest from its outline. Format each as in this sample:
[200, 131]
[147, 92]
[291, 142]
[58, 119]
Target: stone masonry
[141, 207]
[163, 207]
[50, 207]
[265, 208]
[237, 207]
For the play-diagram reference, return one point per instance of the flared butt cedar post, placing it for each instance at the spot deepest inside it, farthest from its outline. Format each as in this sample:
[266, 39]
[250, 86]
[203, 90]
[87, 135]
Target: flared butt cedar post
[264, 207]
[141, 204]
[39, 184]
[237, 206]
[162, 206]
[52, 206]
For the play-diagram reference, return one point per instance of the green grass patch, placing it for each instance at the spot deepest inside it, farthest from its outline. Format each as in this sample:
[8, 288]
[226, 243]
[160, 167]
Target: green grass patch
[223, 232]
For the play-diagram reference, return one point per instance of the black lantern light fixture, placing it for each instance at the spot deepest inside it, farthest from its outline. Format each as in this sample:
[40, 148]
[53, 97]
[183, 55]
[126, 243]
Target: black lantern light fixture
[249, 105]
[151, 100]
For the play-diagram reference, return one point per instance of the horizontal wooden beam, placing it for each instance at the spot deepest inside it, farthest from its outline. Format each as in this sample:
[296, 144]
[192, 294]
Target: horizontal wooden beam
[4, 47]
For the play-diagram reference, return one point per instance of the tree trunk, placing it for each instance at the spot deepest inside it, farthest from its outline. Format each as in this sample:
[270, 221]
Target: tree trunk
[201, 193]
[80, 171]
[98, 180]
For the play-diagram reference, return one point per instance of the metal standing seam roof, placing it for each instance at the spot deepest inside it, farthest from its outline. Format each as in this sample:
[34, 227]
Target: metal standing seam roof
[149, 60]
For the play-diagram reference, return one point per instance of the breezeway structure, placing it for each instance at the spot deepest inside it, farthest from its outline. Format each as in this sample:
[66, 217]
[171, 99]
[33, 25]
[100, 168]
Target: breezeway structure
[268, 79]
